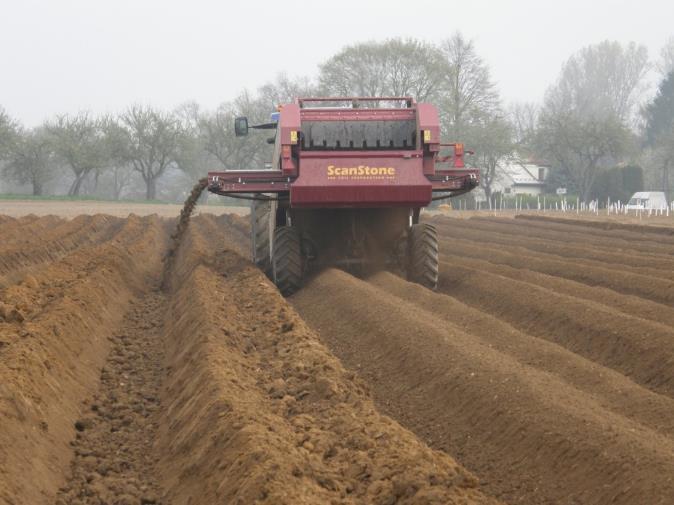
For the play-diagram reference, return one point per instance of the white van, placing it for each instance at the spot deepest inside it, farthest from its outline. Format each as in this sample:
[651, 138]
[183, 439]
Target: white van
[646, 200]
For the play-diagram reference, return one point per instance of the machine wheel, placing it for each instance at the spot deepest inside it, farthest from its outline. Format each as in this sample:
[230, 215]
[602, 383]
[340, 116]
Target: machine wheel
[287, 260]
[260, 213]
[422, 257]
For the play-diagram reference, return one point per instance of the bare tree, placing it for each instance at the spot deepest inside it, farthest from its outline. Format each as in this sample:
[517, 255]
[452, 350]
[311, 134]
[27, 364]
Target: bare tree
[470, 108]
[604, 79]
[217, 134]
[8, 132]
[79, 143]
[659, 131]
[30, 160]
[524, 117]
[192, 156]
[468, 93]
[584, 122]
[282, 90]
[119, 171]
[666, 63]
[122, 178]
[579, 147]
[149, 140]
[396, 67]
[216, 130]
[494, 137]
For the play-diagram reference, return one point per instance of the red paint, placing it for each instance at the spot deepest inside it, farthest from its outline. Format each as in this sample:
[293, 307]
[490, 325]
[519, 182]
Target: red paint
[357, 114]
[376, 178]
[367, 181]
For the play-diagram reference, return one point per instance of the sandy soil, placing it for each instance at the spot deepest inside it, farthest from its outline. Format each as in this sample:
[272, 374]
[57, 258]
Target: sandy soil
[544, 363]
[55, 321]
[141, 366]
[641, 218]
[18, 208]
[213, 390]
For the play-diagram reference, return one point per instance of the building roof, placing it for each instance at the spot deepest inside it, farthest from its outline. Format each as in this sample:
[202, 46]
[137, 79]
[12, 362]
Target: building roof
[520, 172]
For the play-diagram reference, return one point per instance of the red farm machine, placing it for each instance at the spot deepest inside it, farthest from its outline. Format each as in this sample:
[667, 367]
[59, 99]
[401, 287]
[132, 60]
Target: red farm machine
[348, 179]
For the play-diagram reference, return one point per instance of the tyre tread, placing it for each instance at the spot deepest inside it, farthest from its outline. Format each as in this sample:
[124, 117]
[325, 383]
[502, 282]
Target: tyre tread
[260, 215]
[287, 260]
[423, 265]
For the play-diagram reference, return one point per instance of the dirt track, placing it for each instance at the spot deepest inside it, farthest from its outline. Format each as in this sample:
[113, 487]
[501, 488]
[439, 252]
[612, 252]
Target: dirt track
[74, 208]
[544, 365]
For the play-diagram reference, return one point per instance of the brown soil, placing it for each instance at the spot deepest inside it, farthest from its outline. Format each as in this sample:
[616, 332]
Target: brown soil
[538, 424]
[603, 220]
[542, 372]
[625, 303]
[51, 241]
[644, 283]
[579, 251]
[552, 358]
[608, 224]
[286, 423]
[215, 391]
[52, 351]
[72, 209]
[562, 235]
[113, 460]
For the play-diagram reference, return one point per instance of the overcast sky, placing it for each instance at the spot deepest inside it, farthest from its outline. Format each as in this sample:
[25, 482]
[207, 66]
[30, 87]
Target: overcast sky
[69, 55]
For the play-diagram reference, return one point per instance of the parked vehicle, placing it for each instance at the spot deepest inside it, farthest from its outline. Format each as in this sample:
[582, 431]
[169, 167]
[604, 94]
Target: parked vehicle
[647, 200]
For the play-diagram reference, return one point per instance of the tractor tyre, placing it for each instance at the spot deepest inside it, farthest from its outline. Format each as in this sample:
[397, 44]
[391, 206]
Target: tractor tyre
[287, 260]
[423, 258]
[260, 214]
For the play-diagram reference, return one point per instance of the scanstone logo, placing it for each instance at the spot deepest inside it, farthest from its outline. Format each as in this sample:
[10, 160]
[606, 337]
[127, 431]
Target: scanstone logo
[361, 171]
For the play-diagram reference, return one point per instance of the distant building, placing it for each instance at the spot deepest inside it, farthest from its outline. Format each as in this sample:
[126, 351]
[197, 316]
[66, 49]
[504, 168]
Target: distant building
[518, 177]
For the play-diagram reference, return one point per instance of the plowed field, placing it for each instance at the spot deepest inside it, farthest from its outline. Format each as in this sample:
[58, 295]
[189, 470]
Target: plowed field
[544, 363]
[540, 372]
[212, 390]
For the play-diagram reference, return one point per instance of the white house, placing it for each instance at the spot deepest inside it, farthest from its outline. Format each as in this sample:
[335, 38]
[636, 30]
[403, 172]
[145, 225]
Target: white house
[515, 176]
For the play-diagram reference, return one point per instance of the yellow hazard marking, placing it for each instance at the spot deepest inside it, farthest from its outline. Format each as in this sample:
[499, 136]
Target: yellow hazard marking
[293, 137]
[427, 136]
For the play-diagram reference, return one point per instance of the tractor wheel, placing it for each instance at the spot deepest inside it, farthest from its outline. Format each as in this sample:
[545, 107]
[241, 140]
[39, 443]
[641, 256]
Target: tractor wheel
[287, 260]
[260, 213]
[422, 266]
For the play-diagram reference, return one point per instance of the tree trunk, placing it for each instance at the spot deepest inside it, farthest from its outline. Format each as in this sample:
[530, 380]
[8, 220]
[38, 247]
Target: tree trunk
[37, 188]
[585, 193]
[151, 188]
[96, 176]
[116, 189]
[77, 184]
[587, 181]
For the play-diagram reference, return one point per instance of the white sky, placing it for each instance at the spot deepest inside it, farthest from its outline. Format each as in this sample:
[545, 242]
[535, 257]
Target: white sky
[68, 55]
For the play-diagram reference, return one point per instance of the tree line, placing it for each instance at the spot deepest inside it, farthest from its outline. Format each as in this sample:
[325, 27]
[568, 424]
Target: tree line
[596, 117]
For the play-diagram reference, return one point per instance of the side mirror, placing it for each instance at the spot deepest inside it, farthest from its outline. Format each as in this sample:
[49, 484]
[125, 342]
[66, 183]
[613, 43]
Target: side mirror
[241, 126]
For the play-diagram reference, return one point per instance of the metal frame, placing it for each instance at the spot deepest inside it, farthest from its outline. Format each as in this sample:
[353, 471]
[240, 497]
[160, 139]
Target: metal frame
[425, 157]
